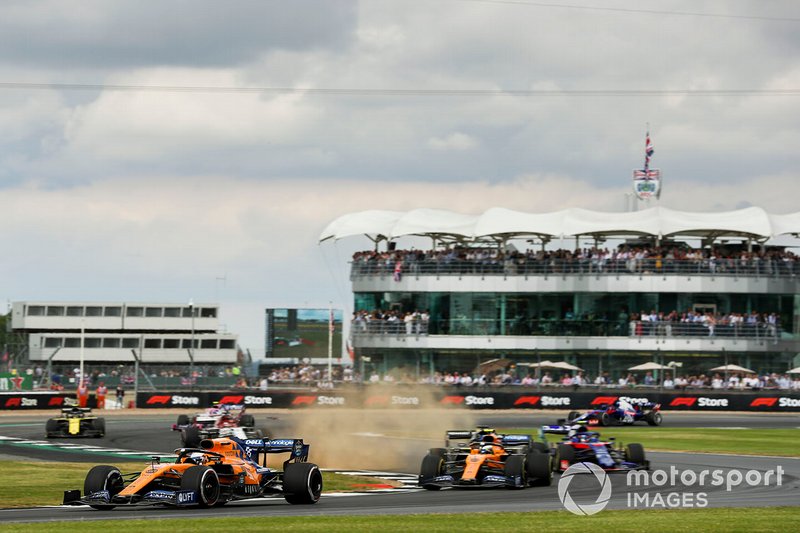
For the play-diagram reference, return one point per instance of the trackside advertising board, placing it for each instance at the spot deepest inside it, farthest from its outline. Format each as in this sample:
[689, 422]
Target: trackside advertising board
[408, 398]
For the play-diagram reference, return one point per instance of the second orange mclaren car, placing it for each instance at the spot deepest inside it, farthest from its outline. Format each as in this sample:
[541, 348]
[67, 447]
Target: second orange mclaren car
[486, 460]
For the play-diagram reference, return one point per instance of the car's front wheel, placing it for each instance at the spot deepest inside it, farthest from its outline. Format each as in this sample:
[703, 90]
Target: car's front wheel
[517, 467]
[432, 466]
[103, 478]
[204, 482]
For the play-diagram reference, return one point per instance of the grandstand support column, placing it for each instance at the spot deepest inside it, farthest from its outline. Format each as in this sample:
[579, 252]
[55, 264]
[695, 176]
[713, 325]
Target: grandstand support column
[136, 372]
[191, 348]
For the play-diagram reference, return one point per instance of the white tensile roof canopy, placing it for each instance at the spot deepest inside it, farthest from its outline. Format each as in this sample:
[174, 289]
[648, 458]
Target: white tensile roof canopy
[502, 224]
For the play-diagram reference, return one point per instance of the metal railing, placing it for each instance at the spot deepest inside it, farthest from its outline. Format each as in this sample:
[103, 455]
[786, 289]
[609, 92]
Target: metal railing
[572, 328]
[771, 268]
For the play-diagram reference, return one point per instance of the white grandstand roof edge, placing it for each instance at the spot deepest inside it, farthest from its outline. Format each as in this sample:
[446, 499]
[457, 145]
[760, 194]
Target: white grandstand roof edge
[750, 222]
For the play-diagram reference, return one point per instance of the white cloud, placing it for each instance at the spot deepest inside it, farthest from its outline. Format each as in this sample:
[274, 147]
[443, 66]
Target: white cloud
[455, 141]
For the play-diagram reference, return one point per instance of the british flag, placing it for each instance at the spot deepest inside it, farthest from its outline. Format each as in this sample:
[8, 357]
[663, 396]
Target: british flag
[648, 151]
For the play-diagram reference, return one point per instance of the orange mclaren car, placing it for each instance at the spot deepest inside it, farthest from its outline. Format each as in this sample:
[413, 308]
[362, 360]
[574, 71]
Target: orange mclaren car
[219, 471]
[486, 460]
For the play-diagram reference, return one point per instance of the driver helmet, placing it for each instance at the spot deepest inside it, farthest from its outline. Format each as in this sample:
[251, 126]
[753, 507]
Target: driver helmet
[197, 458]
[487, 449]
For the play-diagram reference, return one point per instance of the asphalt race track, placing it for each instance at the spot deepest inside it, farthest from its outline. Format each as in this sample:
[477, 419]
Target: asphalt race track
[132, 437]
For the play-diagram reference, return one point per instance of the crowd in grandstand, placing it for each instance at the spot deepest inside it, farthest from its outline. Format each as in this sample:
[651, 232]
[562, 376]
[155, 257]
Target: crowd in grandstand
[734, 381]
[688, 323]
[631, 259]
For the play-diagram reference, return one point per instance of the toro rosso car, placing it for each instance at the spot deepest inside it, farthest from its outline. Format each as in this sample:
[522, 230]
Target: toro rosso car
[583, 446]
[75, 422]
[486, 460]
[618, 413]
[219, 471]
[224, 420]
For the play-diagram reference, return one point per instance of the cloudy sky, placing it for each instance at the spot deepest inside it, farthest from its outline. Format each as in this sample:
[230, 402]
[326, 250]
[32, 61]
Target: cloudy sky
[195, 149]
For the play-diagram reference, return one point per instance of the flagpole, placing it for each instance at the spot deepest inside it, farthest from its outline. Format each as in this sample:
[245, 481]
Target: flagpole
[330, 343]
[83, 325]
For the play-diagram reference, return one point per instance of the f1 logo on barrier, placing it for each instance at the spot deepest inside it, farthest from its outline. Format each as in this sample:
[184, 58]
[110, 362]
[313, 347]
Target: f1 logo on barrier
[603, 400]
[686, 401]
[526, 400]
[764, 402]
[304, 400]
[452, 400]
[159, 400]
[231, 399]
[376, 400]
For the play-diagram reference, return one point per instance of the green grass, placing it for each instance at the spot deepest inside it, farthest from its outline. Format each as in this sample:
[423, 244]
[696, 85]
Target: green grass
[781, 442]
[652, 521]
[41, 483]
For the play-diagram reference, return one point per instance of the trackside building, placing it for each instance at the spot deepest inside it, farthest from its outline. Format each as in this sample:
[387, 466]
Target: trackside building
[601, 291]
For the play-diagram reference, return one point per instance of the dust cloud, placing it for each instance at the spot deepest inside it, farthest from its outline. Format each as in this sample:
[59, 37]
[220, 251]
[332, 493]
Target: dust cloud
[386, 438]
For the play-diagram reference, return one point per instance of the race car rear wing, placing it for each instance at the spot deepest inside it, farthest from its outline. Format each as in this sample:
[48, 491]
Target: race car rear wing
[457, 434]
[255, 447]
[66, 410]
[516, 440]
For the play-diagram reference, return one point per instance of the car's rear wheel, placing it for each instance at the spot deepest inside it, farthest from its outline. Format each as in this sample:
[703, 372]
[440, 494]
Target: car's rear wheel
[247, 421]
[432, 466]
[539, 470]
[191, 437]
[302, 483]
[634, 453]
[653, 418]
[540, 447]
[572, 416]
[516, 467]
[564, 452]
[99, 425]
[605, 419]
[204, 481]
[183, 420]
[51, 428]
[100, 478]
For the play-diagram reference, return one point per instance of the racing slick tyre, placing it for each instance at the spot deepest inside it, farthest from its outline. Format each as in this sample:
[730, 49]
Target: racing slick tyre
[517, 466]
[51, 428]
[432, 466]
[247, 421]
[302, 483]
[103, 477]
[540, 447]
[653, 418]
[564, 452]
[605, 419]
[540, 472]
[99, 425]
[191, 437]
[635, 453]
[183, 420]
[572, 416]
[204, 481]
